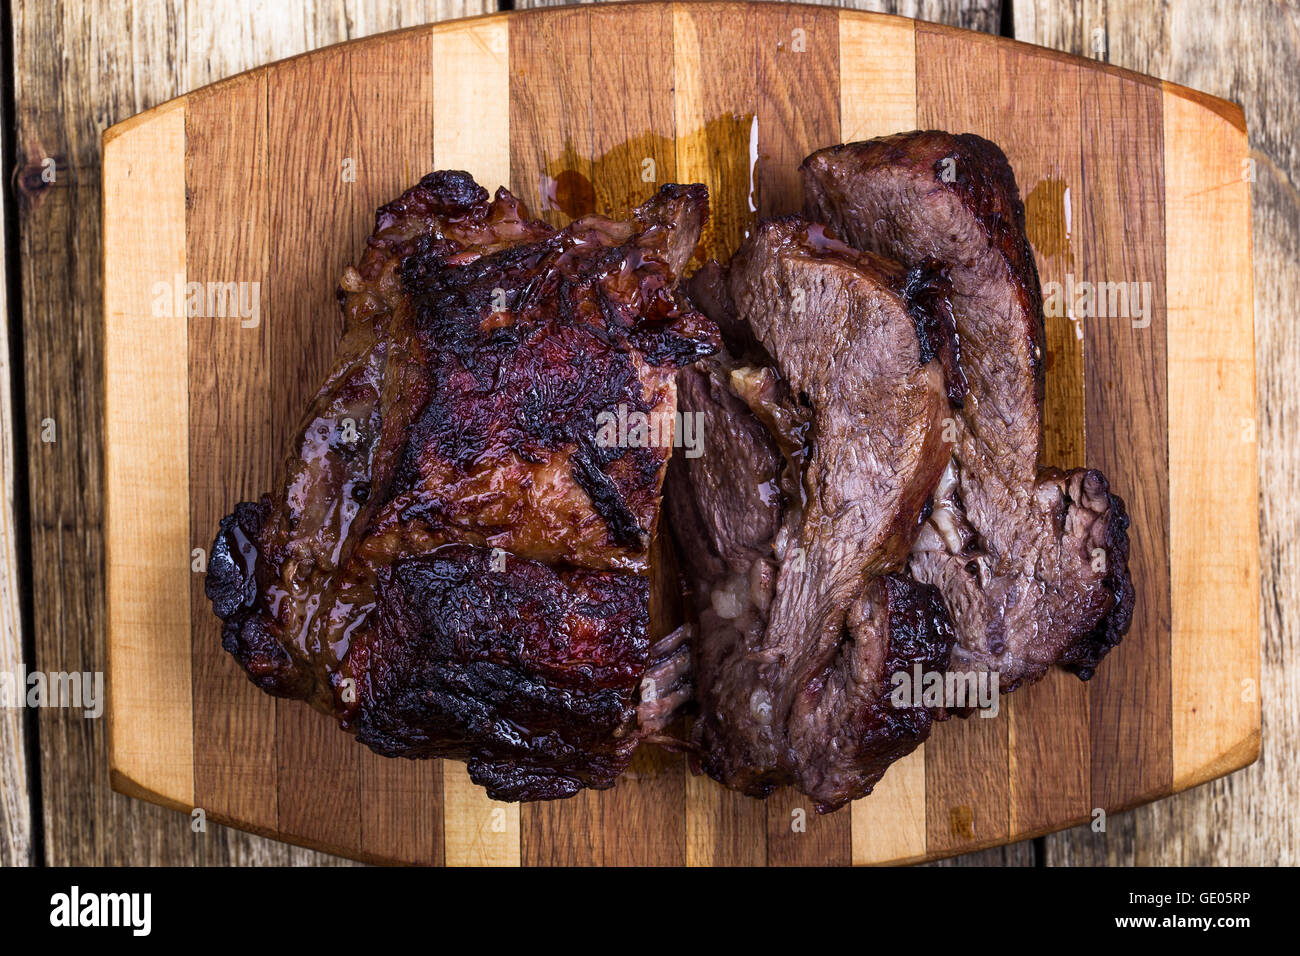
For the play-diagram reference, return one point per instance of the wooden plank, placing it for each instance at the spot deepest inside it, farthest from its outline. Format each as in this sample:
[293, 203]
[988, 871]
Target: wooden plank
[714, 68]
[632, 155]
[471, 131]
[877, 59]
[1211, 443]
[551, 171]
[15, 798]
[229, 427]
[1240, 53]
[878, 97]
[392, 91]
[1037, 122]
[798, 99]
[1131, 744]
[967, 768]
[797, 112]
[57, 118]
[319, 767]
[550, 76]
[715, 107]
[146, 465]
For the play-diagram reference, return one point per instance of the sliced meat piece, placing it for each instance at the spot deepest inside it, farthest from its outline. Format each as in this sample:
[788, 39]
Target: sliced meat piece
[815, 472]
[456, 562]
[1033, 564]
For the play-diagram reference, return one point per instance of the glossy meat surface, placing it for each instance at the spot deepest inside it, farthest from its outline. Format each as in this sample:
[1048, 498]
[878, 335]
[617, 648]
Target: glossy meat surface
[456, 561]
[1032, 562]
[823, 442]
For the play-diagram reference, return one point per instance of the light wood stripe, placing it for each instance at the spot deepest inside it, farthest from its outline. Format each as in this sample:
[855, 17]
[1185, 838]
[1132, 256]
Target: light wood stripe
[877, 75]
[1213, 470]
[471, 131]
[146, 384]
[878, 97]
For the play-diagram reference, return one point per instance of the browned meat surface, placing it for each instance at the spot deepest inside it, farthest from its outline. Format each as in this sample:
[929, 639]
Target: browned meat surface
[1032, 563]
[822, 426]
[455, 563]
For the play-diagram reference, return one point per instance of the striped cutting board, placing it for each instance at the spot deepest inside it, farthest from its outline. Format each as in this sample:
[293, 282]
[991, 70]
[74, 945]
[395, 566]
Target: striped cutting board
[270, 180]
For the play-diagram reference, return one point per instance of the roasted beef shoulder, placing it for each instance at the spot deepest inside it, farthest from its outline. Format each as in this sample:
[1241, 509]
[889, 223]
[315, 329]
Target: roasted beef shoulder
[823, 423]
[455, 564]
[1032, 562]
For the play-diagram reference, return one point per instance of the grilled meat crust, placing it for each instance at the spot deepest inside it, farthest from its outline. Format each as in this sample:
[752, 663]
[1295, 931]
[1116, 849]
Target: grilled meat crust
[456, 562]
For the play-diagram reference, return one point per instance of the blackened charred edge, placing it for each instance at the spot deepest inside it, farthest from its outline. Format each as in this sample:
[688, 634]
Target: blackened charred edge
[920, 632]
[1082, 657]
[927, 291]
[605, 497]
[231, 584]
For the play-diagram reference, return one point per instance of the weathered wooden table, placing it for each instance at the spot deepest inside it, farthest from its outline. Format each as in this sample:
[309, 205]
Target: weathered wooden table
[77, 71]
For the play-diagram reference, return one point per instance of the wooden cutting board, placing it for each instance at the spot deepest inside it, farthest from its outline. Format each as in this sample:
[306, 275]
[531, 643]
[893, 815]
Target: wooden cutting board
[270, 180]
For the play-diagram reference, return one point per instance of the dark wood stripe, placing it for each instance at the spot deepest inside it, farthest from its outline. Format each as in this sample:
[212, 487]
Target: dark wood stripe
[967, 802]
[551, 147]
[313, 238]
[632, 124]
[1037, 124]
[230, 452]
[551, 138]
[731, 828]
[1123, 230]
[392, 102]
[798, 110]
[798, 73]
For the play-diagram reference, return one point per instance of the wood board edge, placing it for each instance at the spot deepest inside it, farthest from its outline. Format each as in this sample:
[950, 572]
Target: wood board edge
[160, 759]
[1213, 445]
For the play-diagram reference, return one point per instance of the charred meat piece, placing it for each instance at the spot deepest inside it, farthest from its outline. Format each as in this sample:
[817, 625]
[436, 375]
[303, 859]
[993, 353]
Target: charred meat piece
[823, 426]
[456, 562]
[1032, 563]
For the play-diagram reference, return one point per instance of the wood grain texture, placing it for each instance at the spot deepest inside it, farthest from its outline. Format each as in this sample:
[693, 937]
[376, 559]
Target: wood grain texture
[633, 153]
[146, 411]
[960, 87]
[1211, 384]
[878, 97]
[123, 58]
[318, 769]
[983, 15]
[15, 798]
[1126, 373]
[798, 110]
[1240, 52]
[595, 156]
[234, 724]
[471, 131]
[392, 98]
[716, 105]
